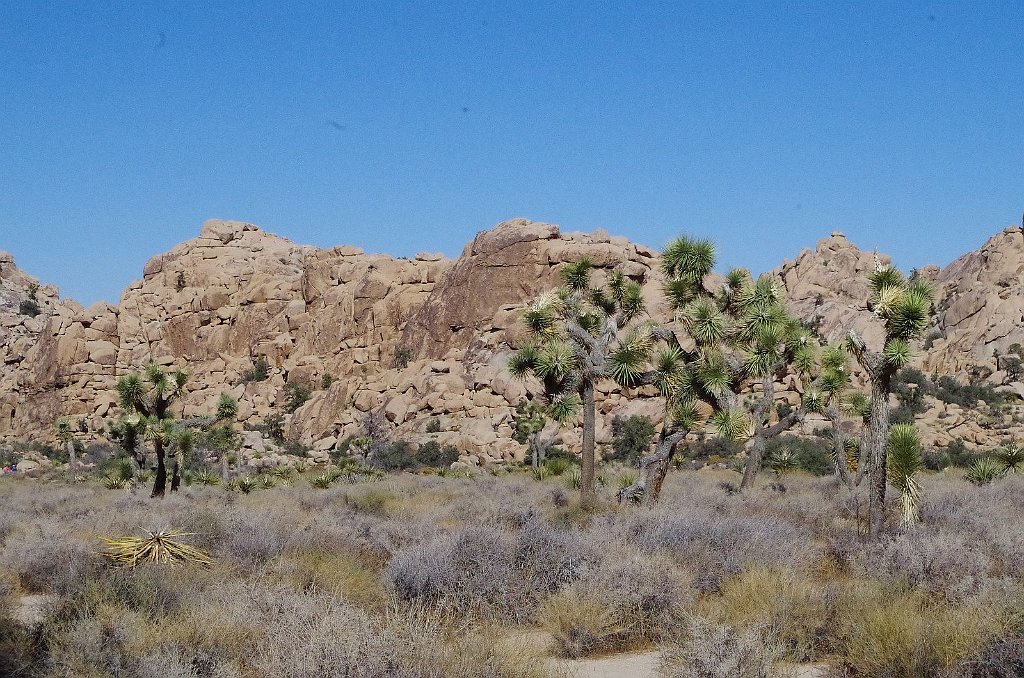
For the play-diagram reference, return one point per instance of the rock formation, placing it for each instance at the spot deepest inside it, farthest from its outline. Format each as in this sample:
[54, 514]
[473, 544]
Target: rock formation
[420, 339]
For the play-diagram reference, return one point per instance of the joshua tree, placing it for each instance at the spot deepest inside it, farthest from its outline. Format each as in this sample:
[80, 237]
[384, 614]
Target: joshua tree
[694, 381]
[146, 399]
[66, 435]
[224, 435]
[765, 342]
[905, 308]
[579, 335]
[828, 396]
[532, 428]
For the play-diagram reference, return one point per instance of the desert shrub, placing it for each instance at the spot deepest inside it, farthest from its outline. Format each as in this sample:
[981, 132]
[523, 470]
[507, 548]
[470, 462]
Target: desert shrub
[488, 570]
[326, 381]
[716, 447]
[47, 559]
[787, 601]
[811, 455]
[557, 466]
[624, 602]
[273, 427]
[434, 425]
[888, 632]
[714, 545]
[631, 437]
[29, 307]
[942, 563]
[296, 396]
[260, 370]
[431, 453]
[1002, 658]
[953, 454]
[396, 456]
[708, 650]
[949, 390]
[402, 357]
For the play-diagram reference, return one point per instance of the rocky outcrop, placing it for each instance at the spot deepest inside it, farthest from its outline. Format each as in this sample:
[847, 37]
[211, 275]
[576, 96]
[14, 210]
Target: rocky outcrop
[981, 307]
[424, 341]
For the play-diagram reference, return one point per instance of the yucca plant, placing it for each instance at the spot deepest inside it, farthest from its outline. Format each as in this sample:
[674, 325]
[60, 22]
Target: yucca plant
[540, 473]
[574, 478]
[266, 482]
[244, 484]
[322, 481]
[66, 435]
[112, 481]
[905, 462]
[1011, 456]
[782, 461]
[984, 471]
[205, 477]
[626, 479]
[905, 308]
[161, 548]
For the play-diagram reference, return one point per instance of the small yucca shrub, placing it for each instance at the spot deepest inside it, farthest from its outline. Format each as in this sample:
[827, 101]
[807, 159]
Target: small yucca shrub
[574, 478]
[113, 481]
[984, 471]
[245, 485]
[1011, 456]
[162, 548]
[322, 481]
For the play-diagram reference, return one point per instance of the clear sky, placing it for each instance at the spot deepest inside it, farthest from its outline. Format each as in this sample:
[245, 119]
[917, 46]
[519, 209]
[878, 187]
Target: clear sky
[411, 126]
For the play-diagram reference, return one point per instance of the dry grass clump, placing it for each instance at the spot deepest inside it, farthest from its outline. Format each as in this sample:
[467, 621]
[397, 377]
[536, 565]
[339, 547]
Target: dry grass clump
[708, 650]
[625, 603]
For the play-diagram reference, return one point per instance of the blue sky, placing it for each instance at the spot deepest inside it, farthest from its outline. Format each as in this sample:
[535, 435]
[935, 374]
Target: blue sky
[411, 126]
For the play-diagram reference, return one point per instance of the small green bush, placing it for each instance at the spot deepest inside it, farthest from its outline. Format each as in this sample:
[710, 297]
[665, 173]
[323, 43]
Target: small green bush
[811, 455]
[398, 456]
[296, 396]
[260, 370]
[631, 437]
[402, 357]
[431, 453]
[434, 425]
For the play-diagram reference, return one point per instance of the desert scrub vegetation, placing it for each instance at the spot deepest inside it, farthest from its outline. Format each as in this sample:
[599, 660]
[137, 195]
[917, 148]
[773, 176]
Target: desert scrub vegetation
[444, 576]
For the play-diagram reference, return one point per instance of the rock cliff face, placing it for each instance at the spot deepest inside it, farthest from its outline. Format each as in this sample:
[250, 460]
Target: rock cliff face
[421, 339]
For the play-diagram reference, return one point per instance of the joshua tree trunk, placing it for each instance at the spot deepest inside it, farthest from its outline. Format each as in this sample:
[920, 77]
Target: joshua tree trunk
[762, 434]
[224, 466]
[176, 473]
[72, 458]
[755, 455]
[589, 425]
[160, 482]
[874, 444]
[653, 470]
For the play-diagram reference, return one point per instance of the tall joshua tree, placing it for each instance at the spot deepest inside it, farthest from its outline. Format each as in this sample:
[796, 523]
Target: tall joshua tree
[576, 331]
[904, 306]
[66, 435]
[766, 342]
[146, 399]
[690, 371]
[828, 397]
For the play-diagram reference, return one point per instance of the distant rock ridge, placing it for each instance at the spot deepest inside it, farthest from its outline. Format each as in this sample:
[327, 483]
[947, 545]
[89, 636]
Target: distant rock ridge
[425, 338]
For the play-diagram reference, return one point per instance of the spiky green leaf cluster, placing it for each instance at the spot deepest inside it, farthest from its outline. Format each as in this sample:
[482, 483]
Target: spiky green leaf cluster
[984, 471]
[904, 464]
[1011, 456]
[904, 305]
[732, 424]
